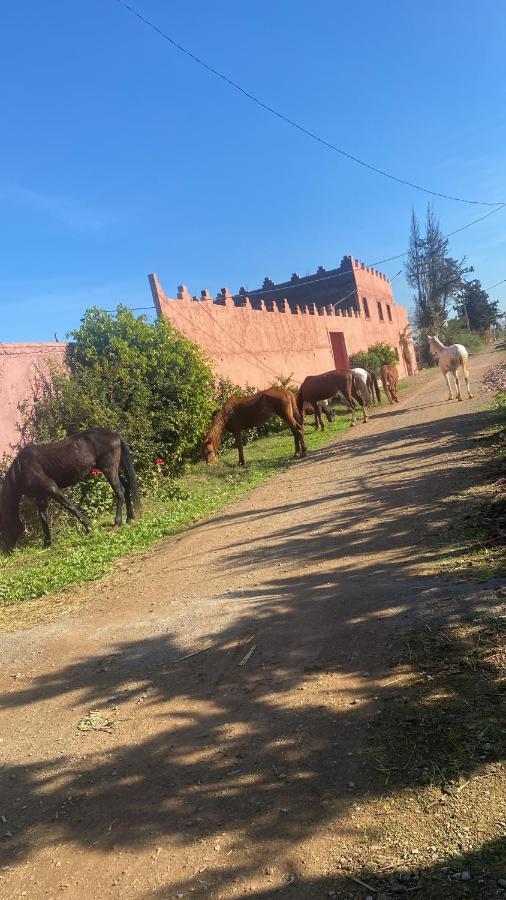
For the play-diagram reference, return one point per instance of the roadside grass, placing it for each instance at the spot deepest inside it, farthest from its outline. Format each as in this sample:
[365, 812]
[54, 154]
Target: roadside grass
[437, 745]
[32, 571]
[476, 551]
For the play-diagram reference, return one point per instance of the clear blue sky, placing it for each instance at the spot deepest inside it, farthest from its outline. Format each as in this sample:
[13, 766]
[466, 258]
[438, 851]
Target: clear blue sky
[120, 157]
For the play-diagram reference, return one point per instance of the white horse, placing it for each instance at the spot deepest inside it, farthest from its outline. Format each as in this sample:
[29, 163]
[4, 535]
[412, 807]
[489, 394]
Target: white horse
[370, 384]
[450, 359]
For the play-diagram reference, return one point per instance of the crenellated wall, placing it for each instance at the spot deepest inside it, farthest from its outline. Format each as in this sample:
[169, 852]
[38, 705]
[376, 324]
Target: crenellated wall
[254, 341]
[20, 367]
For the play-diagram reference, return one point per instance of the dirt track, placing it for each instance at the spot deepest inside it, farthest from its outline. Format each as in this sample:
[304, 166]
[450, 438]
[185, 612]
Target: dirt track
[215, 779]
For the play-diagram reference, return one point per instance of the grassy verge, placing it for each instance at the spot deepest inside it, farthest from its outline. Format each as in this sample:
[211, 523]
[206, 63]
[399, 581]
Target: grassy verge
[436, 825]
[33, 571]
[479, 531]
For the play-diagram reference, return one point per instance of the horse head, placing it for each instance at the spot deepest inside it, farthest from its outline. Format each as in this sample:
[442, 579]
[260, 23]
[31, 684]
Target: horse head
[11, 529]
[209, 450]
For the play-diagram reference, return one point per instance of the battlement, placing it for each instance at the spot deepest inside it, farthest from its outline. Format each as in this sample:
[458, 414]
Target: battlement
[243, 300]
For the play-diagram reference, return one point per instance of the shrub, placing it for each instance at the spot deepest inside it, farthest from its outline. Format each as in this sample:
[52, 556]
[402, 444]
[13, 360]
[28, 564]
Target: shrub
[143, 379]
[376, 356]
[456, 332]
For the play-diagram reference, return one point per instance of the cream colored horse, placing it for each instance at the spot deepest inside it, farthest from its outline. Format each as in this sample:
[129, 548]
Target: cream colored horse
[450, 359]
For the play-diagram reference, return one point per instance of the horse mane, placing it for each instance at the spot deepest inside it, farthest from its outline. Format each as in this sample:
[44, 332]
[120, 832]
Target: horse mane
[219, 421]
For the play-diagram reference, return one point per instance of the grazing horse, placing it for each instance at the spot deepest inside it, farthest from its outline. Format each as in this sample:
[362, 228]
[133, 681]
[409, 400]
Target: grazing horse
[450, 358]
[239, 413]
[369, 380]
[390, 378]
[41, 470]
[322, 407]
[326, 386]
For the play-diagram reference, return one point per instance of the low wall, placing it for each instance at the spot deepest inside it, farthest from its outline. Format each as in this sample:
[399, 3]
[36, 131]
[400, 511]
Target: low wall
[251, 344]
[20, 367]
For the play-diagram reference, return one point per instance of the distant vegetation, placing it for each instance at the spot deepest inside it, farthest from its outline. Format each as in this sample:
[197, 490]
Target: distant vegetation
[376, 356]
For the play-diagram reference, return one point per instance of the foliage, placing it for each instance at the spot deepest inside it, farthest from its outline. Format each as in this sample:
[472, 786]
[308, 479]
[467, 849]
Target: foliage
[32, 571]
[473, 304]
[435, 277]
[376, 356]
[143, 379]
[456, 332]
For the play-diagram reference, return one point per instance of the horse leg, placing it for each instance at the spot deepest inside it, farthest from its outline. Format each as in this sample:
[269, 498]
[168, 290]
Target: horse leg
[457, 385]
[466, 376]
[238, 444]
[59, 497]
[128, 498]
[447, 376]
[43, 518]
[115, 482]
[318, 416]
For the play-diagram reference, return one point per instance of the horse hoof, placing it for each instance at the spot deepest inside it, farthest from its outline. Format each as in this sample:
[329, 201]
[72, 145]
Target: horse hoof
[459, 399]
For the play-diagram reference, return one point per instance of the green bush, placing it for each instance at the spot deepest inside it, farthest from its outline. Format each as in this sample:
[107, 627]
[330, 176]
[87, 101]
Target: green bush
[376, 356]
[143, 379]
[456, 332]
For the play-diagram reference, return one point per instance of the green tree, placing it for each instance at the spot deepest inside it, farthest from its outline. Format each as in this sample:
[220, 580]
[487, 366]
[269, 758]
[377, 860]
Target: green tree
[374, 357]
[146, 380]
[473, 304]
[434, 275]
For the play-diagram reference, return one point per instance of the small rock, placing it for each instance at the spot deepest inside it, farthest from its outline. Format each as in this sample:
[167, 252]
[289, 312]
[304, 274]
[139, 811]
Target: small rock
[269, 870]
[501, 882]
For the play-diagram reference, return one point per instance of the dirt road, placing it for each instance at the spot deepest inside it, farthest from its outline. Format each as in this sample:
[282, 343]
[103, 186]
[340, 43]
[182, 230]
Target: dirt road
[234, 771]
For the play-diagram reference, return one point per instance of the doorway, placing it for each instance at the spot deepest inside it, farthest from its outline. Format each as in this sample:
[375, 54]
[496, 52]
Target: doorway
[338, 344]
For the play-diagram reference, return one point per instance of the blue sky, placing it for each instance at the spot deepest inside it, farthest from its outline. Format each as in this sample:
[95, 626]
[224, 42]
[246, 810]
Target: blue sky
[120, 157]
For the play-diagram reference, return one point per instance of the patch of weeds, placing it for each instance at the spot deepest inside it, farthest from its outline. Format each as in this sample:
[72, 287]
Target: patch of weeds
[32, 571]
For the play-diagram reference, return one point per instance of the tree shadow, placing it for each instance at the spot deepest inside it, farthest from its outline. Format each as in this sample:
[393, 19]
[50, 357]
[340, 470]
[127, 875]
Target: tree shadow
[197, 744]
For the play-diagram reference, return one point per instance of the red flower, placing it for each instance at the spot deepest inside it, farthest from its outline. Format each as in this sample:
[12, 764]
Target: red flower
[95, 472]
[159, 461]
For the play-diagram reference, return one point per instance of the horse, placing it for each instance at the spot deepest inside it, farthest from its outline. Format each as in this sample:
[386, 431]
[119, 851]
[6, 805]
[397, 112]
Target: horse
[450, 358]
[389, 378]
[369, 380]
[322, 407]
[41, 470]
[325, 386]
[239, 413]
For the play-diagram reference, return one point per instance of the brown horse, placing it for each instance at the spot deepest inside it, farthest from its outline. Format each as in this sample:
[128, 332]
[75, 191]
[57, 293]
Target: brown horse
[390, 378]
[320, 408]
[239, 413]
[324, 387]
[41, 470]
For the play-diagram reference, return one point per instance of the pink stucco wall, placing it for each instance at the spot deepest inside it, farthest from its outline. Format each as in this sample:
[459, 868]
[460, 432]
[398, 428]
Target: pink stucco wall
[20, 367]
[254, 346]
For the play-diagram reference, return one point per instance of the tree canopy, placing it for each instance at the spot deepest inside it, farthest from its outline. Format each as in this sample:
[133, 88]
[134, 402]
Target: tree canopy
[473, 304]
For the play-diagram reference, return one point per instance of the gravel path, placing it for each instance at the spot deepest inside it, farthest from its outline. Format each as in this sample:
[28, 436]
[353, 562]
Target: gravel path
[232, 772]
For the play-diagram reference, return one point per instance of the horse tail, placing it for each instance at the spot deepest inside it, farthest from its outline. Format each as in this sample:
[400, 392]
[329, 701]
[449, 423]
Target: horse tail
[296, 409]
[300, 406]
[376, 386]
[128, 466]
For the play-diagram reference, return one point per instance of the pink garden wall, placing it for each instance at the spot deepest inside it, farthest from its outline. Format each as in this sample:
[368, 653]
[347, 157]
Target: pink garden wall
[20, 367]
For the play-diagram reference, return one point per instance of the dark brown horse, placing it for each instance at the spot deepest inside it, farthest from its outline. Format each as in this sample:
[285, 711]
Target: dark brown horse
[239, 413]
[320, 408]
[390, 378]
[315, 388]
[41, 470]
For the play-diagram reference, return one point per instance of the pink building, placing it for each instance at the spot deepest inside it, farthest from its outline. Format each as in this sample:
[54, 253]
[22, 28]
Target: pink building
[21, 365]
[293, 329]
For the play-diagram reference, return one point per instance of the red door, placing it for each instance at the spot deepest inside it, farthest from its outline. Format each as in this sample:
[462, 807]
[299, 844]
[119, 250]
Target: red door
[339, 350]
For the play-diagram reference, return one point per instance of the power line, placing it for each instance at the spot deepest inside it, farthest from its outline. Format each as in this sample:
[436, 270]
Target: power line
[492, 286]
[292, 122]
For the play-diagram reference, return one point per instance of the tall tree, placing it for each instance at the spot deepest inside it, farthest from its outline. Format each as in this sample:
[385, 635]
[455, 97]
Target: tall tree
[473, 304]
[434, 275]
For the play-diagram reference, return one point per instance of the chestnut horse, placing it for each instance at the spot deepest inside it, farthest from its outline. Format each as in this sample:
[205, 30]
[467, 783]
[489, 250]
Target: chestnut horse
[239, 413]
[325, 386]
[390, 378]
[41, 470]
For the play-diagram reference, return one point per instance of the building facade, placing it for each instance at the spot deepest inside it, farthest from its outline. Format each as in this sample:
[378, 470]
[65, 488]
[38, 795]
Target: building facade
[292, 329]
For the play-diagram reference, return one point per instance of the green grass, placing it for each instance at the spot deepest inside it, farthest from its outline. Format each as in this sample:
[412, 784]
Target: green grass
[32, 571]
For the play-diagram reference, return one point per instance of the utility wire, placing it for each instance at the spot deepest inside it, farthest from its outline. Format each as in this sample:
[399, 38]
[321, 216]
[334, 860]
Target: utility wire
[295, 124]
